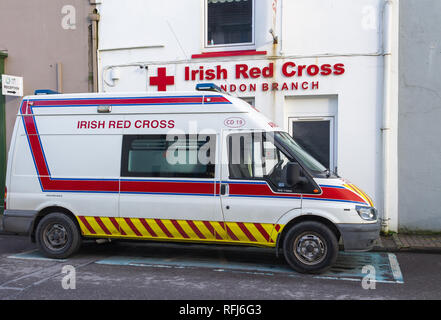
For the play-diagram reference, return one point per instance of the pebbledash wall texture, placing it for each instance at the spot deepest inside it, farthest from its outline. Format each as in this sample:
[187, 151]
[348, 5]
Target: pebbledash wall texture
[419, 128]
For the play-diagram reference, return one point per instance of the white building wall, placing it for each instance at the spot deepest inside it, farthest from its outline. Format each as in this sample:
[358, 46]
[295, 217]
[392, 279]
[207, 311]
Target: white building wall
[152, 34]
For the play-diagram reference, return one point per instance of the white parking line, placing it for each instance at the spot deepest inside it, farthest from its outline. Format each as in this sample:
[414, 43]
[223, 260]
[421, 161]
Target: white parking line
[33, 255]
[396, 271]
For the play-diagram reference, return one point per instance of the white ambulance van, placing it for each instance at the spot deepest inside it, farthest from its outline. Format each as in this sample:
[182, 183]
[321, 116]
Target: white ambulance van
[198, 166]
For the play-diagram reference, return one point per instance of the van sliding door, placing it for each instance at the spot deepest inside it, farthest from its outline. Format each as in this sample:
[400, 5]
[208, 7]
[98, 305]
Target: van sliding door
[167, 188]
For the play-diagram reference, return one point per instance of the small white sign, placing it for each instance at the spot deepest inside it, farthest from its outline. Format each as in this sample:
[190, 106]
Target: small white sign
[12, 86]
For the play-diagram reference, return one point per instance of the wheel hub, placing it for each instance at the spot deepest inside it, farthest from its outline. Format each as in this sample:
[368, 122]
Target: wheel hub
[310, 248]
[55, 236]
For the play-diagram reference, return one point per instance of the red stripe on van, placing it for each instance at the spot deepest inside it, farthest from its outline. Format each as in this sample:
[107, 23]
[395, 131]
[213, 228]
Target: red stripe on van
[167, 187]
[124, 101]
[329, 193]
[256, 190]
[80, 185]
[336, 194]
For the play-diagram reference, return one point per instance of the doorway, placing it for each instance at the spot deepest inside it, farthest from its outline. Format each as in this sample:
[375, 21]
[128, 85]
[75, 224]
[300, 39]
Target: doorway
[316, 136]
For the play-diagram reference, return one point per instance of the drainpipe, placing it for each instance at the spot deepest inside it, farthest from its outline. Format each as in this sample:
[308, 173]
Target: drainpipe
[59, 77]
[386, 124]
[3, 56]
[94, 18]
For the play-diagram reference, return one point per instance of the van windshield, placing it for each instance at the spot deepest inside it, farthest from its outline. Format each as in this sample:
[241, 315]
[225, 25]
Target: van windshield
[298, 152]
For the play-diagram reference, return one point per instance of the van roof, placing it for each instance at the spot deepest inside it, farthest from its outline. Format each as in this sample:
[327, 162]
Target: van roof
[180, 102]
[135, 102]
[61, 96]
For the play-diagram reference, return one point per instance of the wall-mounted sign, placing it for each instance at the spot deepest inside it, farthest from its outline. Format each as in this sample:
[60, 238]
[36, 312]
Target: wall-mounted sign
[248, 77]
[12, 86]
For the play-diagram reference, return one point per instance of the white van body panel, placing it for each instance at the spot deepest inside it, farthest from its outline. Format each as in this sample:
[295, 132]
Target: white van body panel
[66, 154]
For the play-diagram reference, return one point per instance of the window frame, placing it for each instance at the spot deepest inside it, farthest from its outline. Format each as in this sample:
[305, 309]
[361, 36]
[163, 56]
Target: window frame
[127, 140]
[244, 45]
[265, 178]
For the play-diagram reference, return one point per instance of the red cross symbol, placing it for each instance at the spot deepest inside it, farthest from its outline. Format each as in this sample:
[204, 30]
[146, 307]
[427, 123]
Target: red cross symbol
[162, 80]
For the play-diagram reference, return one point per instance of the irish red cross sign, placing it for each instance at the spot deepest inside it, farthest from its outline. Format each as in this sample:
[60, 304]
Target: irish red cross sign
[162, 80]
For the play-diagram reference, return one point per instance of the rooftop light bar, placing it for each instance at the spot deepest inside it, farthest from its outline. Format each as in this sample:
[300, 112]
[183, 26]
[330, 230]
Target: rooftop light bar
[45, 91]
[209, 87]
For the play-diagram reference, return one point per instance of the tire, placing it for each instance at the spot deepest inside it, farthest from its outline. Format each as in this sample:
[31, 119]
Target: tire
[57, 236]
[310, 247]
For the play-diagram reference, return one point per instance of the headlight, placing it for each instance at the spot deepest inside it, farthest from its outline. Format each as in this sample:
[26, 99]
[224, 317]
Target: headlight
[367, 213]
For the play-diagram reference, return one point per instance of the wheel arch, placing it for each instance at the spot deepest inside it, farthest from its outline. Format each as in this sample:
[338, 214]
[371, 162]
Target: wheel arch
[48, 210]
[303, 218]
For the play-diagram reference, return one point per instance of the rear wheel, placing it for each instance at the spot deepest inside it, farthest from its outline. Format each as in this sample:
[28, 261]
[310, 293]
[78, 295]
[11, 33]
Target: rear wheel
[310, 247]
[57, 236]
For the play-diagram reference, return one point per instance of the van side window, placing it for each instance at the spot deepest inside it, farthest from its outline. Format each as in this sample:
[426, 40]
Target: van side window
[179, 156]
[254, 156]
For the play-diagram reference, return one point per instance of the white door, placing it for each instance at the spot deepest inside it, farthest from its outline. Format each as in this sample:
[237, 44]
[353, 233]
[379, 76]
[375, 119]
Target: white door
[317, 136]
[163, 199]
[252, 200]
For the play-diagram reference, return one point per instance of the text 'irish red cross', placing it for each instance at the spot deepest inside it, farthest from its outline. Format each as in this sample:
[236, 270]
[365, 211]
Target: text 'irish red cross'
[162, 80]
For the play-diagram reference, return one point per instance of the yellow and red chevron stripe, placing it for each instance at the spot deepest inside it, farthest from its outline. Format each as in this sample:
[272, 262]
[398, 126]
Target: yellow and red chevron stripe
[361, 193]
[262, 234]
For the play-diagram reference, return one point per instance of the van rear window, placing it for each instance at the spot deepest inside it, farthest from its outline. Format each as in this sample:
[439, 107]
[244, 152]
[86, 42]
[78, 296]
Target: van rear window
[185, 156]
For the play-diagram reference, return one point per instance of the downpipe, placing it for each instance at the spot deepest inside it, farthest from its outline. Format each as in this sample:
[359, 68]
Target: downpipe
[386, 129]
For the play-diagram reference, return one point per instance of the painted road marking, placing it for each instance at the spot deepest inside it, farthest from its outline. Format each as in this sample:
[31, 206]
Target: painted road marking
[348, 266]
[33, 255]
[395, 268]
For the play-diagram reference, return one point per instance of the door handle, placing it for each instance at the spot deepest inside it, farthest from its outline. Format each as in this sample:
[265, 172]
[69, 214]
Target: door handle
[224, 189]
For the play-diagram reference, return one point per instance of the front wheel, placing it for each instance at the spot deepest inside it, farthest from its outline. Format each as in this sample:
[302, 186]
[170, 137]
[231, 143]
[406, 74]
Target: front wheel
[310, 247]
[58, 236]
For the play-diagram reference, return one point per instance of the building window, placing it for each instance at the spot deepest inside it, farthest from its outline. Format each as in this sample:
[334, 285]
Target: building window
[162, 156]
[229, 22]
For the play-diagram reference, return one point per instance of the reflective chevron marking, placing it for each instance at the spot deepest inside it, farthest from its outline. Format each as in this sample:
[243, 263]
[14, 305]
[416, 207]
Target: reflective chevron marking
[180, 230]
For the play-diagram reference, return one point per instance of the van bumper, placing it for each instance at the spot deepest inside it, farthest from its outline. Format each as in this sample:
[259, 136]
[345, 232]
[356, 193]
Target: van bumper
[359, 236]
[18, 221]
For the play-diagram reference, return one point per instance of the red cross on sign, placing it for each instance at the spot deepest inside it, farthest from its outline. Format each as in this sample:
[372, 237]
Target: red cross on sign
[162, 80]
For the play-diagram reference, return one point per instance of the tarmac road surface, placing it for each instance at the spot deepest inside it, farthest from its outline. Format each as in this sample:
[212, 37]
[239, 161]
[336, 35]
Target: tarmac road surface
[166, 271]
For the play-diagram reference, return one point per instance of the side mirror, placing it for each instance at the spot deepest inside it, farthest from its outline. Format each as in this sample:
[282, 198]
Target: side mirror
[293, 174]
